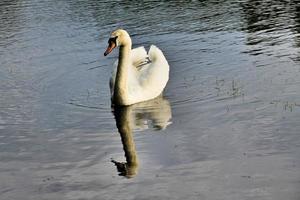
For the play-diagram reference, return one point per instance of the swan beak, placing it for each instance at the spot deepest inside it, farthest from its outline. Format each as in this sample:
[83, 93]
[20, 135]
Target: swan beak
[109, 49]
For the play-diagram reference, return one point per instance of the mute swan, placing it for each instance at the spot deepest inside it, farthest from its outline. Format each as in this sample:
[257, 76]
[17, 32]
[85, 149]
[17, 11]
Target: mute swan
[137, 76]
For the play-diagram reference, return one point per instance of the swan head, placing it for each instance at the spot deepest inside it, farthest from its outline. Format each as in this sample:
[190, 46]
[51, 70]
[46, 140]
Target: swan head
[119, 37]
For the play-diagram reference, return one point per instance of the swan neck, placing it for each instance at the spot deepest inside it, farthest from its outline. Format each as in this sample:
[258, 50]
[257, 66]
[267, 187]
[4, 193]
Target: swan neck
[121, 84]
[124, 55]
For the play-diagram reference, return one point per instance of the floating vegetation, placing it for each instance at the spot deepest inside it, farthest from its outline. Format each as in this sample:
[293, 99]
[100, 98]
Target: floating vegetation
[286, 105]
[88, 99]
[228, 89]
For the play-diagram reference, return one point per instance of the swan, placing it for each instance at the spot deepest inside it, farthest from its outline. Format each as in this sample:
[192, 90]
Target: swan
[137, 76]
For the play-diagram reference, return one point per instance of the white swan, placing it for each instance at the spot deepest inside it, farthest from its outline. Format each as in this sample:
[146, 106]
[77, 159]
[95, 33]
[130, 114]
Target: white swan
[137, 76]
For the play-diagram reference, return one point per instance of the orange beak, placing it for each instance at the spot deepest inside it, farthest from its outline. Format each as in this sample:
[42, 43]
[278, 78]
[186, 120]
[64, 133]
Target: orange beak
[109, 49]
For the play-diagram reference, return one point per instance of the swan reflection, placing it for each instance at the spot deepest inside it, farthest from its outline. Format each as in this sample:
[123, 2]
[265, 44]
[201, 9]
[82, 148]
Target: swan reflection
[154, 114]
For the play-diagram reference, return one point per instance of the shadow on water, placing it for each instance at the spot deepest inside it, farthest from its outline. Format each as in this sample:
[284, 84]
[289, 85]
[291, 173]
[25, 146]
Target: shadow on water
[11, 21]
[271, 25]
[154, 114]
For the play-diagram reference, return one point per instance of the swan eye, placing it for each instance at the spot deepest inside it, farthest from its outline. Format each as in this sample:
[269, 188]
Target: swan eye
[113, 40]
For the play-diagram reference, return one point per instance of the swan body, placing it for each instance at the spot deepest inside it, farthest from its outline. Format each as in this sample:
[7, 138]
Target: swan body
[137, 75]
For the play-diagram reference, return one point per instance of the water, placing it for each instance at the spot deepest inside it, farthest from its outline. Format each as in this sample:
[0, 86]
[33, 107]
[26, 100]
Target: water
[227, 126]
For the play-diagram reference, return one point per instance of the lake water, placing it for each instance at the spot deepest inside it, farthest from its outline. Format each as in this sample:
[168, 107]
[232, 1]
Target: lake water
[226, 127]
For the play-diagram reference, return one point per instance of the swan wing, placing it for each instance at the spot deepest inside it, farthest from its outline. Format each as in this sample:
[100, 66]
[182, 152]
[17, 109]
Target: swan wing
[156, 73]
[152, 77]
[138, 56]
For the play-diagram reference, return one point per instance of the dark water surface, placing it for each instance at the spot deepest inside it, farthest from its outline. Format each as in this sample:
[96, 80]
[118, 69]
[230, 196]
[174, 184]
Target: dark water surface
[227, 126]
